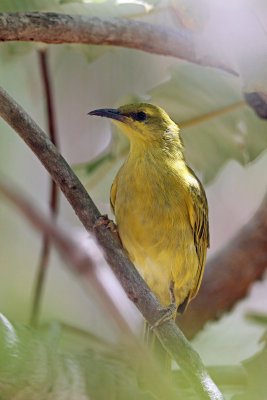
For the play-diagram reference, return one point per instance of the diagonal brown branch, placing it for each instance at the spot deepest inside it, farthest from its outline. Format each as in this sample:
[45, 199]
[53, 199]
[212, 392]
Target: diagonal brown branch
[135, 287]
[62, 28]
[230, 274]
[82, 263]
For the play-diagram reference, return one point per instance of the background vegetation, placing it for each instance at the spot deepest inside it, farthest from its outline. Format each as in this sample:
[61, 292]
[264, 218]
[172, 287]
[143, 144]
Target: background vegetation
[222, 112]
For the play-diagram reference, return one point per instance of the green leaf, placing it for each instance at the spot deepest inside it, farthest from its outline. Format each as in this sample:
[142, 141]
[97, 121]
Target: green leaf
[260, 319]
[10, 51]
[216, 125]
[26, 5]
[228, 341]
[108, 8]
[90, 167]
[32, 367]
[256, 372]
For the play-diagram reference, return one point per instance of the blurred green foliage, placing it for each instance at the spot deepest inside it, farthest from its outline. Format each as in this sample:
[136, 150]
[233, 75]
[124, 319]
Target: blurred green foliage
[31, 367]
[101, 368]
[214, 131]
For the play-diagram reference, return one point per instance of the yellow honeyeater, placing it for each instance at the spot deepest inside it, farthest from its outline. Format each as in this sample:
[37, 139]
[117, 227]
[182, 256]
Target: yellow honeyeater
[159, 204]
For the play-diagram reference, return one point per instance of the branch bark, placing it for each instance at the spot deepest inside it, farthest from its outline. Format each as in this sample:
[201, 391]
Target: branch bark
[229, 275]
[62, 28]
[135, 287]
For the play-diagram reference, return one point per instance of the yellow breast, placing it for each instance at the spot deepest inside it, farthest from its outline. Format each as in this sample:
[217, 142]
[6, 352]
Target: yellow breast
[152, 216]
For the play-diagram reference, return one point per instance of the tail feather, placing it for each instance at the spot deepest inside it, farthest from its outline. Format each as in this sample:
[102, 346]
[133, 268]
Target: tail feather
[181, 308]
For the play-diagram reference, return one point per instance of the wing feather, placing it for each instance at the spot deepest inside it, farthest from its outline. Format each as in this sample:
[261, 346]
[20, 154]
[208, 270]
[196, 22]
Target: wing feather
[113, 193]
[198, 212]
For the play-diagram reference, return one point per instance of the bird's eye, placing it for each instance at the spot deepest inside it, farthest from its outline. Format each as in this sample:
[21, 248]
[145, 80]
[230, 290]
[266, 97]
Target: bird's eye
[140, 116]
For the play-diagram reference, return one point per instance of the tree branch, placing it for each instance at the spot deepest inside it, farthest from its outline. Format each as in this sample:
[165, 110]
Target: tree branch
[229, 275]
[135, 287]
[62, 28]
[81, 262]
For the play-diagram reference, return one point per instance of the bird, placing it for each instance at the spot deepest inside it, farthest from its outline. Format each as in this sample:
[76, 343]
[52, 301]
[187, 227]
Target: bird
[160, 206]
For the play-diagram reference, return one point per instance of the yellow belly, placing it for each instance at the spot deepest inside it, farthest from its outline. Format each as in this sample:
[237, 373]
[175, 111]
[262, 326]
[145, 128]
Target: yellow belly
[154, 227]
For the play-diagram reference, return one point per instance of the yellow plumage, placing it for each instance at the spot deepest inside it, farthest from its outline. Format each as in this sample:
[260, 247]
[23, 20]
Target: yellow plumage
[159, 204]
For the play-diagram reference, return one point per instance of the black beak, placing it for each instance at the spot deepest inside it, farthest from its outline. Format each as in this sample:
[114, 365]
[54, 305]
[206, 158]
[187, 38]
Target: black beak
[109, 113]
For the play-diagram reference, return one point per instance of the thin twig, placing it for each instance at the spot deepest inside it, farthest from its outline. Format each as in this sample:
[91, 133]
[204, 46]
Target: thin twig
[54, 193]
[135, 287]
[211, 115]
[63, 28]
[78, 259]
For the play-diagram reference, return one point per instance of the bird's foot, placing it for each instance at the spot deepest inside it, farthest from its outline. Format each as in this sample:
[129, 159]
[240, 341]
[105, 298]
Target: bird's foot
[168, 311]
[109, 224]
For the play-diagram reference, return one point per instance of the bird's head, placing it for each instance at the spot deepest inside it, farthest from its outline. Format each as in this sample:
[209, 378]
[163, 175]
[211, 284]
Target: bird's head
[143, 123]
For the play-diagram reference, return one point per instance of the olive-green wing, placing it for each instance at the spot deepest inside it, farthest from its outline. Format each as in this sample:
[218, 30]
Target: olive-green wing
[113, 193]
[198, 211]
[113, 190]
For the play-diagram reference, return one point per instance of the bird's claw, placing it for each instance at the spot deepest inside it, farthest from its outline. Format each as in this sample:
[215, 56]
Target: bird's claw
[104, 220]
[169, 312]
